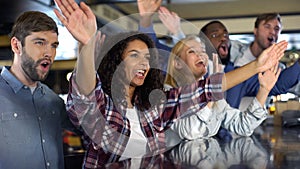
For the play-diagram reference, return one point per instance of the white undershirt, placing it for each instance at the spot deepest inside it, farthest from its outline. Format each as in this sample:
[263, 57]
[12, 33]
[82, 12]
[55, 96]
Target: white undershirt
[137, 143]
[246, 58]
[32, 89]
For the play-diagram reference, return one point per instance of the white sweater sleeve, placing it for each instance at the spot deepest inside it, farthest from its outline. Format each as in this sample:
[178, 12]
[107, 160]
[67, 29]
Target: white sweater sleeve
[193, 126]
[244, 123]
[207, 122]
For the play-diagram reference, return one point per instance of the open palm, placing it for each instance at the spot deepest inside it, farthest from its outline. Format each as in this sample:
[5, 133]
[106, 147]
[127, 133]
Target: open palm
[79, 20]
[271, 56]
[268, 79]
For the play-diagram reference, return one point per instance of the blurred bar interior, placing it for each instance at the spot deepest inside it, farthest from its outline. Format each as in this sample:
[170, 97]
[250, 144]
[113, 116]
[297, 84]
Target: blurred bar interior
[279, 135]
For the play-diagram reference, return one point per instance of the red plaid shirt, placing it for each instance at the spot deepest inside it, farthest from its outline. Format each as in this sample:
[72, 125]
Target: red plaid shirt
[108, 128]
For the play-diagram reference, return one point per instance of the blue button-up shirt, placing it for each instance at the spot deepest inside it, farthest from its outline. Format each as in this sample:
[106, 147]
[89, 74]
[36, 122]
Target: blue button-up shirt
[30, 125]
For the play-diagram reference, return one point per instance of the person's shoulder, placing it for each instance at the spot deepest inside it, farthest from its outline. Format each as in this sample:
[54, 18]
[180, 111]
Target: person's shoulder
[237, 43]
[167, 87]
[221, 106]
[221, 103]
[48, 91]
[237, 49]
[238, 46]
[45, 87]
[282, 65]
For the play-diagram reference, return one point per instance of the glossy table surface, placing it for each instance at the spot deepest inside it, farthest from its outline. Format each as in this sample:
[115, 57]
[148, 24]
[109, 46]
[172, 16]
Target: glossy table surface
[269, 147]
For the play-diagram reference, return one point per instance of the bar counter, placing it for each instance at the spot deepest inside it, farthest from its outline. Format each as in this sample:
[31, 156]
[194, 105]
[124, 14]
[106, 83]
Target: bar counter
[271, 147]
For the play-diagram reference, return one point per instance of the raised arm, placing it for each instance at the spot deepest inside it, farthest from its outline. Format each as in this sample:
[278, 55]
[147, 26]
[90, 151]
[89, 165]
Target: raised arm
[265, 61]
[287, 79]
[267, 80]
[147, 8]
[81, 23]
[172, 22]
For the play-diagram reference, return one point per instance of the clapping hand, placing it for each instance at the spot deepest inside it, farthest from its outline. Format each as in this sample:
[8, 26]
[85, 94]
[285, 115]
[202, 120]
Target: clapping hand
[268, 78]
[270, 56]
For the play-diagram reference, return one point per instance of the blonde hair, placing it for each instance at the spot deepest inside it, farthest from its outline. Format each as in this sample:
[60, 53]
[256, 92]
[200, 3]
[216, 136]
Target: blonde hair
[175, 77]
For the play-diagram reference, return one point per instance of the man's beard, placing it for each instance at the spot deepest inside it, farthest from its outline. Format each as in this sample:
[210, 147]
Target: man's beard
[29, 67]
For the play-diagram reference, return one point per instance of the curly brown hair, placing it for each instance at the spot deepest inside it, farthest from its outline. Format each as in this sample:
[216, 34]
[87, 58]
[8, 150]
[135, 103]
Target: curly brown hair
[112, 82]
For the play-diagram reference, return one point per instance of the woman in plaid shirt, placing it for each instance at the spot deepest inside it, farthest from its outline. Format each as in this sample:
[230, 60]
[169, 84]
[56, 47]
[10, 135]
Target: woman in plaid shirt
[122, 107]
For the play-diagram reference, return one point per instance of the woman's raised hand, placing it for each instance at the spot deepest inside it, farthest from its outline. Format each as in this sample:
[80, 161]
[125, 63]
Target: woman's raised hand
[78, 19]
[270, 56]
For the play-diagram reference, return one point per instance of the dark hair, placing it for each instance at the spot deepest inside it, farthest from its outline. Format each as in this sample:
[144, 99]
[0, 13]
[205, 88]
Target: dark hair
[114, 47]
[204, 28]
[266, 17]
[32, 21]
[203, 34]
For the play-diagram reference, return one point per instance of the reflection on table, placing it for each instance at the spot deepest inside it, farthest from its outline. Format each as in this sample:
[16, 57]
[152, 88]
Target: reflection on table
[269, 147]
[206, 153]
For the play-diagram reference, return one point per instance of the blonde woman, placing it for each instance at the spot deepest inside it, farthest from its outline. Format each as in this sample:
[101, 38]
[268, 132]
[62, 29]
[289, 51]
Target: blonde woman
[188, 63]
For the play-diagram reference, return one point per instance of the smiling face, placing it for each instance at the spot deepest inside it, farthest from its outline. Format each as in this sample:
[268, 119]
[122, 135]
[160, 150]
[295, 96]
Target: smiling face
[218, 36]
[37, 55]
[195, 57]
[136, 62]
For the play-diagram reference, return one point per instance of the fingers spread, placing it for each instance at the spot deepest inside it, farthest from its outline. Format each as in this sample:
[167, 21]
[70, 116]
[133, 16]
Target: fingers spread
[280, 48]
[68, 9]
[60, 17]
[73, 5]
[87, 10]
[62, 8]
